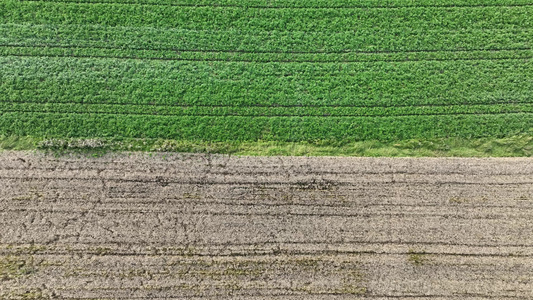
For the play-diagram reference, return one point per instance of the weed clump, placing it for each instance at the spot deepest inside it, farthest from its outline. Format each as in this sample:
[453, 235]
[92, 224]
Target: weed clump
[12, 267]
[417, 257]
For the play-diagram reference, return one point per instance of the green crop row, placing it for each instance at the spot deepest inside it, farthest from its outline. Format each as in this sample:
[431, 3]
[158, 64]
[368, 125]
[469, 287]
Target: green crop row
[79, 51]
[101, 81]
[253, 43]
[257, 99]
[167, 94]
[214, 18]
[366, 72]
[264, 111]
[262, 128]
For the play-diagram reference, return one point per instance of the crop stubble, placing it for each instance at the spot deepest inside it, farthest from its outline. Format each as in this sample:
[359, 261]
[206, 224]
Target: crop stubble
[212, 227]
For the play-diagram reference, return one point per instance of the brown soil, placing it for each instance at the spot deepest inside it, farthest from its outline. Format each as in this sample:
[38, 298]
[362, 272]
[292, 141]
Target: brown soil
[218, 227]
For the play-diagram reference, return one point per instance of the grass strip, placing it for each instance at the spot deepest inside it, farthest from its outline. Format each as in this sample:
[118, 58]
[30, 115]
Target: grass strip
[513, 146]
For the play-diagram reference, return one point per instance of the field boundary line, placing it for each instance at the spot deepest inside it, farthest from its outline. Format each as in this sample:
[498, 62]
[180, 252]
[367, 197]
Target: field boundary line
[258, 173]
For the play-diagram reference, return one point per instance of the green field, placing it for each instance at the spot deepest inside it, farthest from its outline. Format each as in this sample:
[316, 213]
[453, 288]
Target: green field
[320, 72]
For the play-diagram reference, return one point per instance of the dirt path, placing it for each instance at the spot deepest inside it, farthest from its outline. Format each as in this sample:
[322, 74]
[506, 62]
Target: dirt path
[219, 227]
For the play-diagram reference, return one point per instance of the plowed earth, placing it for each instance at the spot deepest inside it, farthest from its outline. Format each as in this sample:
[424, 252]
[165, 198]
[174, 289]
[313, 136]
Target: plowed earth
[219, 227]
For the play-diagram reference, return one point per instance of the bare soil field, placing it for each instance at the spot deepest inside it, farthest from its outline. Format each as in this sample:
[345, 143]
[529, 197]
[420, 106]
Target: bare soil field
[184, 226]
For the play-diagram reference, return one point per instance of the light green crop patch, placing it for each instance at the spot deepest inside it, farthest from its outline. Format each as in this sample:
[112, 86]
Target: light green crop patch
[16, 266]
[31, 294]
[17, 143]
[417, 258]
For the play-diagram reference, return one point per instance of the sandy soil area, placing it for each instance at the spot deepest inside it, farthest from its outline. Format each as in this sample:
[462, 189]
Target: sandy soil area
[179, 226]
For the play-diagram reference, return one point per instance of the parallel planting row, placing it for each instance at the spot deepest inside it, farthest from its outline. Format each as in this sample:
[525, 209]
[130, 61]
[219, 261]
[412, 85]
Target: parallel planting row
[317, 4]
[283, 70]
[242, 18]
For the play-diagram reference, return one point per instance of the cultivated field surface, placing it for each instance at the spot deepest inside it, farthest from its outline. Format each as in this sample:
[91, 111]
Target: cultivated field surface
[220, 227]
[280, 70]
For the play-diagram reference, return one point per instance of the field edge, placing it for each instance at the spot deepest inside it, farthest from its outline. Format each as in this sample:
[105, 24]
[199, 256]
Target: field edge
[513, 146]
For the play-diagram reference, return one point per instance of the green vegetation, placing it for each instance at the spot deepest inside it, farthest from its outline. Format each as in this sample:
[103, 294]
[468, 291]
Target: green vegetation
[417, 257]
[29, 294]
[485, 147]
[15, 266]
[318, 77]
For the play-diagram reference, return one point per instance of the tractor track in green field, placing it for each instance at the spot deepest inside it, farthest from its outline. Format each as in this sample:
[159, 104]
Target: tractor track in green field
[270, 116]
[405, 60]
[81, 46]
[414, 6]
[464, 104]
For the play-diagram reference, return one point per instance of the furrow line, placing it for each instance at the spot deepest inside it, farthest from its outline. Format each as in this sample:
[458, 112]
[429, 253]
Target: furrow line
[467, 104]
[284, 243]
[508, 5]
[78, 46]
[274, 61]
[303, 204]
[270, 214]
[258, 253]
[273, 183]
[210, 170]
[270, 116]
[308, 294]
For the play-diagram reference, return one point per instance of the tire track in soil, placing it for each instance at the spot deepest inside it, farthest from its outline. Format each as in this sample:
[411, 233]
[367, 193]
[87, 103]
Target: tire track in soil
[186, 226]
